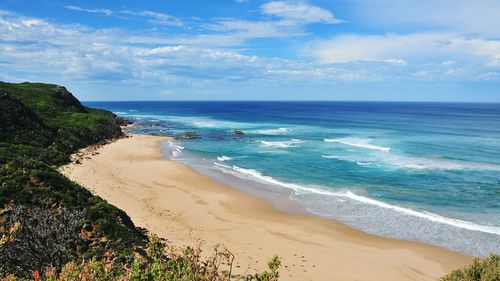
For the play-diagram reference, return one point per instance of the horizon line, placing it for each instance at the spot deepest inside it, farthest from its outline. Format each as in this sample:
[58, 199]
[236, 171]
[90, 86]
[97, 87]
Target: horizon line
[354, 101]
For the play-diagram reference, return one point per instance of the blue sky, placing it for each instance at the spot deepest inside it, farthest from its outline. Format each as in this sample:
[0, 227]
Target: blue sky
[426, 50]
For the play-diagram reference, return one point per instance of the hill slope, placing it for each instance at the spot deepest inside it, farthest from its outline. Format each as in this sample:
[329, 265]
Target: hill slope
[45, 219]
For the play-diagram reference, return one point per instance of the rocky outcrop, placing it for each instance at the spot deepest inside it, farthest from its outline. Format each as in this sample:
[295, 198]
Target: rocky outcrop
[238, 132]
[123, 121]
[190, 135]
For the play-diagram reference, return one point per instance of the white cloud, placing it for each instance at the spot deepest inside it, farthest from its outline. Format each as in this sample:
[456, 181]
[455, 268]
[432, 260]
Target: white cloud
[106, 12]
[400, 49]
[291, 21]
[247, 30]
[35, 47]
[165, 50]
[156, 18]
[152, 17]
[31, 45]
[234, 31]
[81, 53]
[32, 22]
[478, 17]
[298, 12]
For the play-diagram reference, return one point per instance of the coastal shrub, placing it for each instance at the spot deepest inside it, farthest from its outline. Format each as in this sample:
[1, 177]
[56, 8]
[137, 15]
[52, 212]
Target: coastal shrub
[161, 263]
[480, 270]
[165, 263]
[40, 237]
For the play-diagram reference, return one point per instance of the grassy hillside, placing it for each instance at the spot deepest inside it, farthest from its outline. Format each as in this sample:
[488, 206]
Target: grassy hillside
[54, 229]
[46, 122]
[45, 219]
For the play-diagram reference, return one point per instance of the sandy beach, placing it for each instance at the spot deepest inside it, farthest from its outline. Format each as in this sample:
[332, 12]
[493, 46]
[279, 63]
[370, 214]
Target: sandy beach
[177, 203]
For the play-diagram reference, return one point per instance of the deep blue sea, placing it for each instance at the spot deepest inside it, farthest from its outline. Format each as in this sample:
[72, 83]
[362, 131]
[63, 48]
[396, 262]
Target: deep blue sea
[427, 172]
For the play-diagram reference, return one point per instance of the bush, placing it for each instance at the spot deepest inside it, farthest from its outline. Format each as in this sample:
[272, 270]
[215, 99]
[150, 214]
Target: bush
[40, 237]
[161, 263]
[480, 270]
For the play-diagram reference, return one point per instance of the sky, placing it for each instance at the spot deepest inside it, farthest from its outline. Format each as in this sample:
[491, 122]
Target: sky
[440, 50]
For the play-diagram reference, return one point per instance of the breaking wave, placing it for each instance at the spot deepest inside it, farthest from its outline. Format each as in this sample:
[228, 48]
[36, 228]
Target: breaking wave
[361, 143]
[282, 144]
[301, 189]
[224, 158]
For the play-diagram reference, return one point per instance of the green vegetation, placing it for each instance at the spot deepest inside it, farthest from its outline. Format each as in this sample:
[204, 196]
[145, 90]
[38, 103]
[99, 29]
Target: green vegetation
[160, 263]
[45, 219]
[53, 229]
[47, 123]
[480, 270]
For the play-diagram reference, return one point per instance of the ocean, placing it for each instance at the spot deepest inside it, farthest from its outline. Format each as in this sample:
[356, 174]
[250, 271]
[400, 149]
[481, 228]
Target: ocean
[427, 172]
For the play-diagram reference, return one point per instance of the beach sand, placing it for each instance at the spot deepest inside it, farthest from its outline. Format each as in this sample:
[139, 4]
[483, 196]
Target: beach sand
[185, 207]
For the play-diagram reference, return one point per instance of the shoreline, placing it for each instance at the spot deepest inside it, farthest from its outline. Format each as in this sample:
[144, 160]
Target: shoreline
[176, 202]
[363, 213]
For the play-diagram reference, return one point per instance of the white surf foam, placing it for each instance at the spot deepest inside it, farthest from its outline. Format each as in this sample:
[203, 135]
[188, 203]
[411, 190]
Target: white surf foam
[282, 144]
[175, 150]
[224, 158]
[222, 165]
[272, 131]
[426, 215]
[298, 189]
[361, 143]
[413, 162]
[331, 157]
[206, 122]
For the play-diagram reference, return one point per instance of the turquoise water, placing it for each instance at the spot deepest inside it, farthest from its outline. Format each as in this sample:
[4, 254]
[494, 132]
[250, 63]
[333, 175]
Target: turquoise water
[428, 172]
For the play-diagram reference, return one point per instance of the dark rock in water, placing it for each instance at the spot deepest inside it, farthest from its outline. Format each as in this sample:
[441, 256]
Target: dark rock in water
[190, 135]
[122, 121]
[238, 132]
